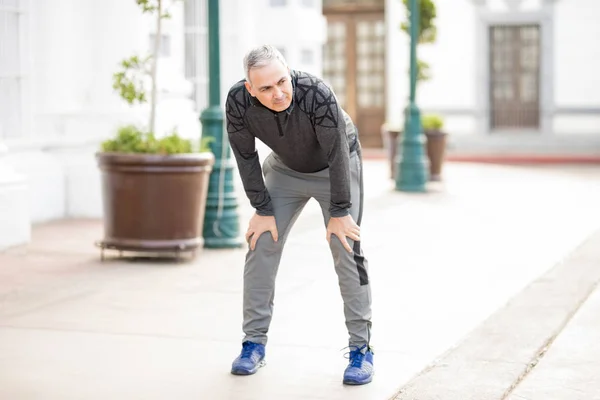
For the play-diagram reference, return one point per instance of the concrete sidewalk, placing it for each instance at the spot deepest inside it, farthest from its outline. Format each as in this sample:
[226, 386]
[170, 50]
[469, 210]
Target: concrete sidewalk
[570, 368]
[541, 345]
[442, 263]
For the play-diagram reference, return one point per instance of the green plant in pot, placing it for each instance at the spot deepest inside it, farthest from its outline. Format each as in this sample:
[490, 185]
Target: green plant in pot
[432, 123]
[154, 187]
[436, 143]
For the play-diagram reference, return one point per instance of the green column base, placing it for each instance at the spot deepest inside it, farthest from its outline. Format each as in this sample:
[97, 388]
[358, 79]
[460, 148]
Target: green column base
[222, 243]
[411, 181]
[221, 221]
[412, 168]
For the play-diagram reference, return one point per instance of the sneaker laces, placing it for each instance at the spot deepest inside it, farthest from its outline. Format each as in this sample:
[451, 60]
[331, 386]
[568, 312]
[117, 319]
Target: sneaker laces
[356, 356]
[247, 349]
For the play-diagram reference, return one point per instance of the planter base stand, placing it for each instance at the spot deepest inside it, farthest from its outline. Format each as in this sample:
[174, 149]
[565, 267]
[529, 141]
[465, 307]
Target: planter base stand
[133, 252]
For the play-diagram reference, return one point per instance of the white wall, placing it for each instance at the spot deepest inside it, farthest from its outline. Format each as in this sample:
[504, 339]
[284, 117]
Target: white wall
[397, 60]
[505, 5]
[295, 28]
[451, 59]
[239, 20]
[75, 46]
[528, 5]
[577, 53]
[577, 62]
[15, 225]
[496, 5]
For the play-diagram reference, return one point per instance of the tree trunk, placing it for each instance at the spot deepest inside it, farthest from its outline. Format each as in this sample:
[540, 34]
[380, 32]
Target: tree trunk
[155, 56]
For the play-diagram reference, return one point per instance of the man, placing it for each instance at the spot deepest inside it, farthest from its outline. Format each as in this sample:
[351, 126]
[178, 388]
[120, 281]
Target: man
[315, 154]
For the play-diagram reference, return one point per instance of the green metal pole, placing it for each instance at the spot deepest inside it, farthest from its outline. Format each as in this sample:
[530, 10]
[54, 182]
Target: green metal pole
[221, 222]
[411, 171]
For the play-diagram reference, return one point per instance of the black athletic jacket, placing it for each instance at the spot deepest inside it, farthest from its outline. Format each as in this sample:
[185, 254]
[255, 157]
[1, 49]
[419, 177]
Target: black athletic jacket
[314, 133]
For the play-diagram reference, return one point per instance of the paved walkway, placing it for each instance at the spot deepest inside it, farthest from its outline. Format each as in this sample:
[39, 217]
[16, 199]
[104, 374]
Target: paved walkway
[568, 367]
[537, 346]
[442, 263]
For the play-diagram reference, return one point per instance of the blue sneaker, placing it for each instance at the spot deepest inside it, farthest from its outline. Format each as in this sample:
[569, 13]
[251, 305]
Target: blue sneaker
[250, 360]
[360, 368]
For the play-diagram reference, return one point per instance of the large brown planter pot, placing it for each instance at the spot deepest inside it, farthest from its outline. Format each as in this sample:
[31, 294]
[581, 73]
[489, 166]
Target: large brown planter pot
[154, 202]
[436, 150]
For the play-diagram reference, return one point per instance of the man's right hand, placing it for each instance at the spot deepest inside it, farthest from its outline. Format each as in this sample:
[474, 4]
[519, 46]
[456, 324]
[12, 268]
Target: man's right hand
[258, 225]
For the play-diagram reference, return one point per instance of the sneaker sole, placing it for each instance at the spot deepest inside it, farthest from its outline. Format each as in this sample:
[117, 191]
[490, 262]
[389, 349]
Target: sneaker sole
[357, 383]
[248, 372]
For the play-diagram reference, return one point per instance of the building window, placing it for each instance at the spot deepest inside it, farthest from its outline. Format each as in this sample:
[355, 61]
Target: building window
[370, 63]
[307, 56]
[277, 3]
[334, 59]
[196, 49]
[514, 76]
[11, 68]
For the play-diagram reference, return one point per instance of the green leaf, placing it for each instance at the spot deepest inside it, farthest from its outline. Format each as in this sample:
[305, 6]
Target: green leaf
[205, 142]
[432, 122]
[423, 73]
[129, 81]
[427, 15]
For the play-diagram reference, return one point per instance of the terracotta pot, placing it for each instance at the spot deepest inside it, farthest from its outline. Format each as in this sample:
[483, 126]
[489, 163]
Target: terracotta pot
[436, 149]
[154, 202]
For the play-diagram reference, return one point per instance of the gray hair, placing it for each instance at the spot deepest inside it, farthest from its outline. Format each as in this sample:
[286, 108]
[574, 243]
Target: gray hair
[260, 56]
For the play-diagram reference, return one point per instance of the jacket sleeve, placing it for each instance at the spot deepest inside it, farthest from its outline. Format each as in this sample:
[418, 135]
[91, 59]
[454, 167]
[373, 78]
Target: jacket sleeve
[243, 145]
[330, 127]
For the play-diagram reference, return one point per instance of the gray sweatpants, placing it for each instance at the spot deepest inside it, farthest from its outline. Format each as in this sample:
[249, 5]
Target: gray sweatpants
[290, 191]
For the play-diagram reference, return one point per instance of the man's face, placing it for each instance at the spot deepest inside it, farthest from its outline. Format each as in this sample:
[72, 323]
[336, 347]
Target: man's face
[271, 85]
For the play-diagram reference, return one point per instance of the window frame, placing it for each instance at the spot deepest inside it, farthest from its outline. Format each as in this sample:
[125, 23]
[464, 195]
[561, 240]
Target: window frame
[514, 43]
[19, 75]
[545, 19]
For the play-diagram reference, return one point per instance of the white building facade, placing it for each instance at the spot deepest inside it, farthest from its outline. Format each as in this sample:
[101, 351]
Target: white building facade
[57, 104]
[508, 76]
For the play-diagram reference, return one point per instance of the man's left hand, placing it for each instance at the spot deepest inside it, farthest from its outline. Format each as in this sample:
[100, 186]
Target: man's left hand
[343, 227]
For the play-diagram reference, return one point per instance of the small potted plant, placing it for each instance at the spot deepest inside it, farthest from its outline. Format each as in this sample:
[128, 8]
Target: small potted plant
[436, 144]
[154, 188]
